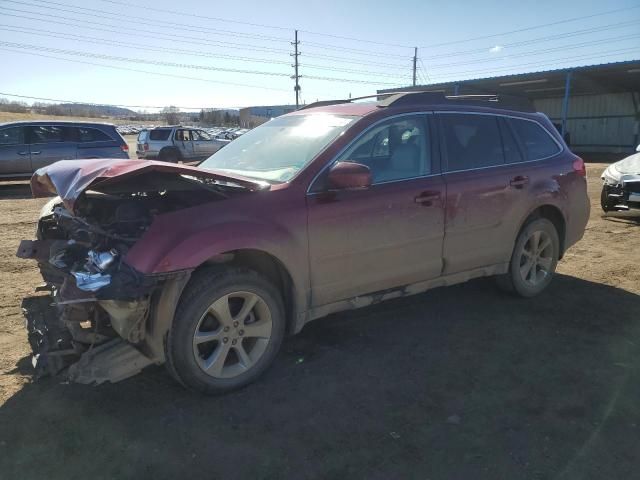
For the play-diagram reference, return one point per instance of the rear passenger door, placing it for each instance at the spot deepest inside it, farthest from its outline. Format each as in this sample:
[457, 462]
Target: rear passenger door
[14, 152]
[50, 143]
[487, 190]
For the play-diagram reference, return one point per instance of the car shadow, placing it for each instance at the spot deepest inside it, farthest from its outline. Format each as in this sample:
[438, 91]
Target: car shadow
[460, 382]
[628, 218]
[15, 191]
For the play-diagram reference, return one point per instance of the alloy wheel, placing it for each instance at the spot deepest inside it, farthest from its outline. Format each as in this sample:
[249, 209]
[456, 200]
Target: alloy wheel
[536, 258]
[232, 334]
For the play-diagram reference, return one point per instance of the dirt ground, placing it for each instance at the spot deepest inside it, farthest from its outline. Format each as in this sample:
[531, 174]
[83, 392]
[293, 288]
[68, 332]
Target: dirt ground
[458, 383]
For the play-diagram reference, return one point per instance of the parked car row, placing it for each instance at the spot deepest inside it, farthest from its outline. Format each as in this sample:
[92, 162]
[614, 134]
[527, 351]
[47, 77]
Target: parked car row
[132, 129]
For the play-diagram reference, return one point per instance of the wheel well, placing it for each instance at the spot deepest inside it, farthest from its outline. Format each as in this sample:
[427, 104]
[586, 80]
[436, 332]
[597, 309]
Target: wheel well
[268, 266]
[555, 216]
[164, 150]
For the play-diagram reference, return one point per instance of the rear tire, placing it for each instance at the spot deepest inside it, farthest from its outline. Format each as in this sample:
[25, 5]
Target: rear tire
[169, 156]
[227, 330]
[533, 261]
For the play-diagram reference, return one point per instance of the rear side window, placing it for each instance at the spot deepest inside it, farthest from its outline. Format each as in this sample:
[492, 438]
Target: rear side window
[471, 141]
[535, 140]
[92, 135]
[160, 134]
[12, 136]
[51, 134]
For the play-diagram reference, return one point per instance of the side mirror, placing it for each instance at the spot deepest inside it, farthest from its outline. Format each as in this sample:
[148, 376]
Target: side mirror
[349, 176]
[638, 148]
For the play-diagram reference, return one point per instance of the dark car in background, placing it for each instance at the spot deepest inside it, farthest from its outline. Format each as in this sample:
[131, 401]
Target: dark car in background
[27, 146]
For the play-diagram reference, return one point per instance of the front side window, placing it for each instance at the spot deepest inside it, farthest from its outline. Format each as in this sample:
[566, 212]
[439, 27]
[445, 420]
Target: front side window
[471, 141]
[49, 134]
[183, 135]
[536, 141]
[12, 136]
[200, 135]
[395, 150]
[278, 149]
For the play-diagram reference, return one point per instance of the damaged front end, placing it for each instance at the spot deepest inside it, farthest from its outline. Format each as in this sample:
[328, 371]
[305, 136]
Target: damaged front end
[621, 185]
[102, 320]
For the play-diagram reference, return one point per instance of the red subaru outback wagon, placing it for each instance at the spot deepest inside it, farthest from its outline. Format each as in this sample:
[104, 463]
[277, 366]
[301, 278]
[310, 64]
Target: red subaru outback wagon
[336, 206]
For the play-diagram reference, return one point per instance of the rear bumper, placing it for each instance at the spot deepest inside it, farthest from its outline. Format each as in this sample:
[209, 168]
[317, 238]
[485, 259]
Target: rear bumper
[579, 210]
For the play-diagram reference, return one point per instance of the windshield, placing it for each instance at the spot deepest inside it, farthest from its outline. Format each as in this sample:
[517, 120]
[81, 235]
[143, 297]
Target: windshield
[277, 150]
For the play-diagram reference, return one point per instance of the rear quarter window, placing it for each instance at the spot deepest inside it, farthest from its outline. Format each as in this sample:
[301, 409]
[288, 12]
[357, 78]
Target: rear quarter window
[86, 135]
[162, 134]
[535, 140]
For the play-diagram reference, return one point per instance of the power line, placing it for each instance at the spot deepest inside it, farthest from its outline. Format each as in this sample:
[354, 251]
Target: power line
[138, 46]
[161, 23]
[196, 53]
[94, 104]
[101, 56]
[24, 49]
[170, 75]
[187, 14]
[536, 40]
[84, 22]
[534, 27]
[186, 27]
[537, 52]
[549, 62]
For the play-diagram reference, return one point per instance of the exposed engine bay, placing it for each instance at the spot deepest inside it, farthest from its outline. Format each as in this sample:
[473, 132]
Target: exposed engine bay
[97, 322]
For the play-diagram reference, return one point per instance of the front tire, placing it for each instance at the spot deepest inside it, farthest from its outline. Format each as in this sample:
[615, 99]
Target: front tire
[227, 330]
[533, 261]
[605, 203]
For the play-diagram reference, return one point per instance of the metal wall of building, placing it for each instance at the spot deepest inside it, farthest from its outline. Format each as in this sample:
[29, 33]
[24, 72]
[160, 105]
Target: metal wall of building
[597, 123]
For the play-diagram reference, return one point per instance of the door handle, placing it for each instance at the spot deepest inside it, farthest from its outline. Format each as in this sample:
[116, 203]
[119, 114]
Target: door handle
[519, 181]
[427, 198]
[36, 153]
[23, 153]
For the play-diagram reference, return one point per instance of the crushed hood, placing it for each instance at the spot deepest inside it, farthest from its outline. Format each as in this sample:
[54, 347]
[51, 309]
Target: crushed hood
[69, 178]
[629, 165]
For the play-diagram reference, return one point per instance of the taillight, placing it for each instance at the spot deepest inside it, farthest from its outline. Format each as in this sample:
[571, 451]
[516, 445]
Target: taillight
[145, 147]
[579, 167]
[124, 147]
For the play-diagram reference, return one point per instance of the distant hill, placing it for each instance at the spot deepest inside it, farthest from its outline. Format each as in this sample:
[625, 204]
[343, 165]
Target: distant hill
[94, 110]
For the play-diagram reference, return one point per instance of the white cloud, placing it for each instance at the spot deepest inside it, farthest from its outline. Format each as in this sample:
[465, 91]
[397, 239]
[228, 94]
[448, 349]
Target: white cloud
[496, 49]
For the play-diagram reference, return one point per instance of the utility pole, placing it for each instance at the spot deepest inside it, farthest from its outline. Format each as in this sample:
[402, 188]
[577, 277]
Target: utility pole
[415, 64]
[296, 77]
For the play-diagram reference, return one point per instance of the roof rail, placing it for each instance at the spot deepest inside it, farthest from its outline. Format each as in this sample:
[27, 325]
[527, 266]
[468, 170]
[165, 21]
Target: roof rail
[421, 97]
[507, 102]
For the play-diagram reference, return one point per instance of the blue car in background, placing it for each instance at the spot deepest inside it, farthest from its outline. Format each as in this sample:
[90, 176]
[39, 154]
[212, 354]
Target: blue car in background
[29, 145]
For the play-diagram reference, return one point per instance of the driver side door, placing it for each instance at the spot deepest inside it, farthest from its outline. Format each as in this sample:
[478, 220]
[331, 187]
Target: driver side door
[184, 143]
[389, 234]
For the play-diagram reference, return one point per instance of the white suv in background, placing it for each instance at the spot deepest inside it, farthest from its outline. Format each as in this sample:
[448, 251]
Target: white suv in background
[176, 143]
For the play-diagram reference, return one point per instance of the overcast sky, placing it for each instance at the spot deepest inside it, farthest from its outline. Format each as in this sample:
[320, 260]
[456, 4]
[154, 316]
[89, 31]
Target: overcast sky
[140, 53]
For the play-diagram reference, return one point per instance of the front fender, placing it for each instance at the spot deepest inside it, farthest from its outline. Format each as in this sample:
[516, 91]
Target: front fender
[163, 250]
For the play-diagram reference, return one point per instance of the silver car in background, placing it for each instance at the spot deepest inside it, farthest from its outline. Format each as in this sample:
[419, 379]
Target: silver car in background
[176, 143]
